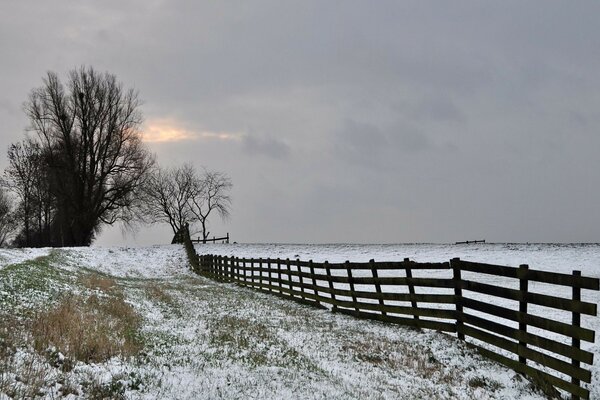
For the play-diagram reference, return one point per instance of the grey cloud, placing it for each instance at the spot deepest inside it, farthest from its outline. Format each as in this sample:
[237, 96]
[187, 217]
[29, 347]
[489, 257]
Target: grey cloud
[439, 109]
[481, 100]
[362, 143]
[265, 146]
[368, 145]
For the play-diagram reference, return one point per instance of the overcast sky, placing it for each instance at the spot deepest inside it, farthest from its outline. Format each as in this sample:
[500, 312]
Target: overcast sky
[346, 121]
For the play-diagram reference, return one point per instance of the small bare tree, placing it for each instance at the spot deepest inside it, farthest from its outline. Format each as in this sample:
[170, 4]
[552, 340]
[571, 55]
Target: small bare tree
[179, 196]
[167, 196]
[212, 197]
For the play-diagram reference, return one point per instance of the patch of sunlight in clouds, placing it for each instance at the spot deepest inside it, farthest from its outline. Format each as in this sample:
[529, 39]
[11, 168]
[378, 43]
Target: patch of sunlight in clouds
[168, 130]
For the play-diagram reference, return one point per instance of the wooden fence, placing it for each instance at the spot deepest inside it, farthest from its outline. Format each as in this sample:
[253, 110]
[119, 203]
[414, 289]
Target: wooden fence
[544, 349]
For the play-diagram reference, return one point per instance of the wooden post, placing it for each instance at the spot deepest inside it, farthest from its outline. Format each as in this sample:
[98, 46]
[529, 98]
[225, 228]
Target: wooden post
[351, 283]
[227, 237]
[226, 268]
[260, 275]
[576, 343]
[290, 282]
[411, 286]
[314, 281]
[377, 285]
[455, 264]
[331, 286]
[220, 267]
[252, 272]
[523, 287]
[269, 276]
[244, 269]
[279, 274]
[301, 279]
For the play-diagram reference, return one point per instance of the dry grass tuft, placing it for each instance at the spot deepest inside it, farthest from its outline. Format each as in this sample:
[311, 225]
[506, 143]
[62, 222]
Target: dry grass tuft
[89, 330]
[398, 355]
[155, 292]
[96, 281]
[21, 377]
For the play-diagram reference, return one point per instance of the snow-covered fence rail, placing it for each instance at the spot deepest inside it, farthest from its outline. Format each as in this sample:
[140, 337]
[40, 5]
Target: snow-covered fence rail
[492, 307]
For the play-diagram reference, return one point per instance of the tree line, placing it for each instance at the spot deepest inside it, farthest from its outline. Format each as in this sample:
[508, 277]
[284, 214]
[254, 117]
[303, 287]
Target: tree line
[83, 165]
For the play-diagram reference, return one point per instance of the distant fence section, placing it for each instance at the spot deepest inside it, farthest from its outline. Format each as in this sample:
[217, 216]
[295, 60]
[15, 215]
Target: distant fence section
[224, 239]
[535, 345]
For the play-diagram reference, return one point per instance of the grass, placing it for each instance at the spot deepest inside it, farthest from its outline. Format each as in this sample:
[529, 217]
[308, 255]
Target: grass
[92, 335]
[92, 329]
[52, 320]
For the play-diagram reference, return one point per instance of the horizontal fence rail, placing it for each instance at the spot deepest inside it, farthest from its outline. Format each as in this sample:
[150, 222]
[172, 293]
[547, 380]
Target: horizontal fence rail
[471, 300]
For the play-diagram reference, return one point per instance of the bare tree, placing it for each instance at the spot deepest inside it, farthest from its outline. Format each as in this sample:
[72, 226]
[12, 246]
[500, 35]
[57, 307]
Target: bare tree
[212, 196]
[180, 196]
[24, 178]
[8, 223]
[168, 193]
[89, 136]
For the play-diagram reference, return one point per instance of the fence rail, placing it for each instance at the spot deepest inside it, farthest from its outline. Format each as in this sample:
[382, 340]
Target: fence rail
[535, 345]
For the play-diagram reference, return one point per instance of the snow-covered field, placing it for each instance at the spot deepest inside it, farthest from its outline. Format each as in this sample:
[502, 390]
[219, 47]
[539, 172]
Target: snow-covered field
[209, 340]
[562, 258]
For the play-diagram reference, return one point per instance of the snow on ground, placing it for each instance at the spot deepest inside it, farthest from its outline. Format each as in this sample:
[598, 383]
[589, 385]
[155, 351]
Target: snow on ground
[563, 258]
[160, 261]
[15, 256]
[552, 257]
[206, 339]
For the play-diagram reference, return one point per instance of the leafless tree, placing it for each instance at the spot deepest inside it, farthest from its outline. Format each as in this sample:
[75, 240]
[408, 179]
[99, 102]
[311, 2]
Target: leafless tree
[181, 195]
[88, 132]
[168, 193]
[27, 179]
[8, 223]
[212, 197]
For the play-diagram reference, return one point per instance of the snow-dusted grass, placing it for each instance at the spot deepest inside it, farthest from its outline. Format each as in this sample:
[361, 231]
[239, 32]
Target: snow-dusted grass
[208, 340]
[563, 258]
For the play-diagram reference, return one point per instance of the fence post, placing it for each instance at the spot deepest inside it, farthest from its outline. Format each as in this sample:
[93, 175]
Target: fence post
[351, 283]
[260, 273]
[269, 275]
[377, 286]
[300, 279]
[314, 281]
[243, 272]
[289, 275]
[411, 286]
[576, 343]
[227, 271]
[455, 264]
[215, 268]
[331, 288]
[523, 287]
[279, 274]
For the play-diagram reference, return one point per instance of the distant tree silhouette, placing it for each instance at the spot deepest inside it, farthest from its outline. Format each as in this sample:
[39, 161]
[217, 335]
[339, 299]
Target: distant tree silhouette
[180, 196]
[212, 197]
[89, 158]
[8, 223]
[168, 193]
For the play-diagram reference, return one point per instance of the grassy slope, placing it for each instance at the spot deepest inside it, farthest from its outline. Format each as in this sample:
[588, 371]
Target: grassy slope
[204, 339]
